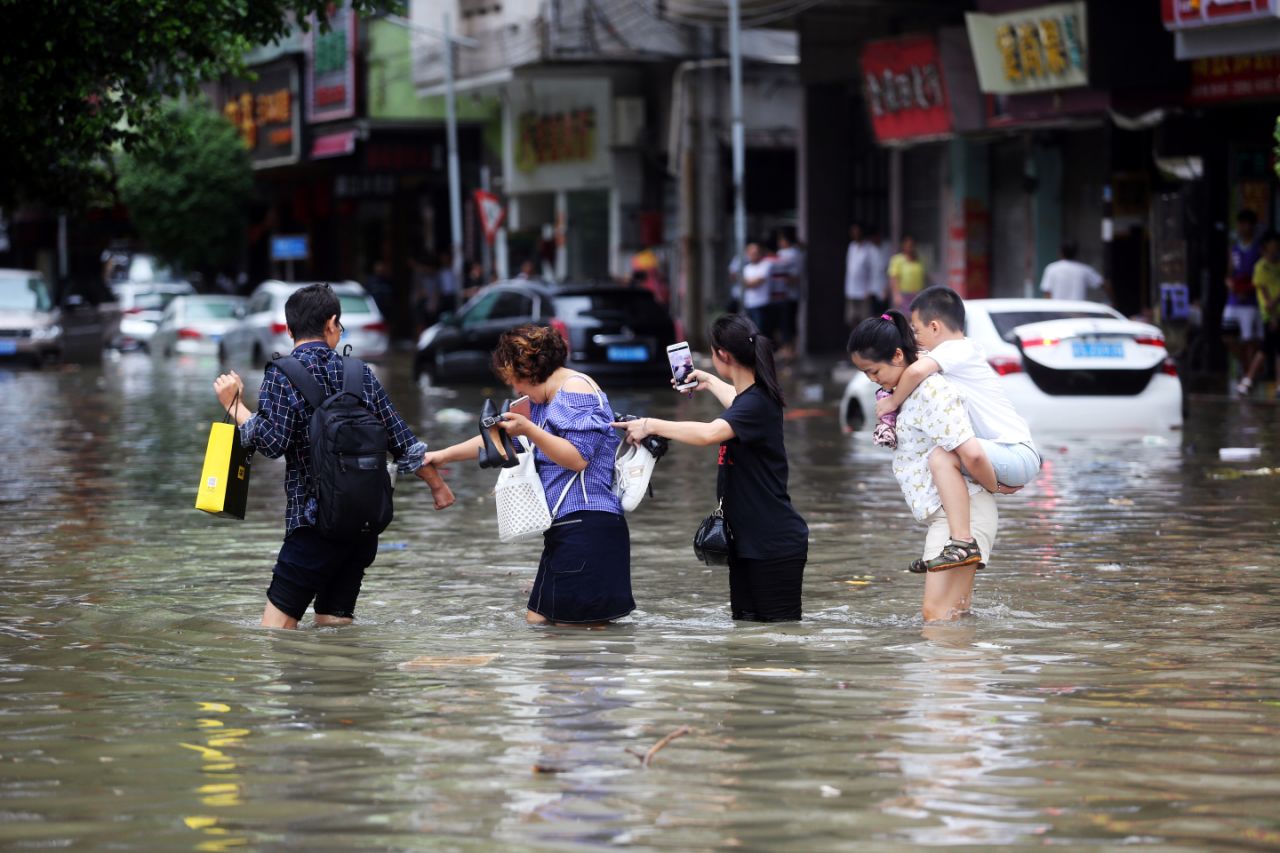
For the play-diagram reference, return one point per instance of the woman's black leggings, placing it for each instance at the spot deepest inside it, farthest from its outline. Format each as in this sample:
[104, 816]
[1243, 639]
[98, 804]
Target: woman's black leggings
[766, 590]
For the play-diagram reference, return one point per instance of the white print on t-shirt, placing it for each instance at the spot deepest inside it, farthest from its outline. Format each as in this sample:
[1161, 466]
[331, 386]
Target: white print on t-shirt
[964, 363]
[933, 416]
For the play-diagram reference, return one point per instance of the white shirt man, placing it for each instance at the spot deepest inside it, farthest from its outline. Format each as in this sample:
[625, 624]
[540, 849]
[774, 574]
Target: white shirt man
[857, 268]
[878, 255]
[1068, 278]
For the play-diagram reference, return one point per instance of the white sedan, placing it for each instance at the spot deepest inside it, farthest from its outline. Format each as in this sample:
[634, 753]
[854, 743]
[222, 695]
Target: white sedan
[1068, 367]
[195, 324]
[261, 330]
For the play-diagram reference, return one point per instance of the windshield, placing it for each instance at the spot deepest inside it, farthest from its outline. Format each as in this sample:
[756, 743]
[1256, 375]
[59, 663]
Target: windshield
[153, 300]
[211, 309]
[22, 293]
[1006, 321]
[352, 304]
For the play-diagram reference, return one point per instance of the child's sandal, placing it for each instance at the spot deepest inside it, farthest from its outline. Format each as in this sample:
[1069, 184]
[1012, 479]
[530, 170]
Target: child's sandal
[955, 555]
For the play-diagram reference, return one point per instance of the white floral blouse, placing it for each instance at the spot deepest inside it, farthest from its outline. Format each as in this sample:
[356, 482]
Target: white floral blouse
[933, 416]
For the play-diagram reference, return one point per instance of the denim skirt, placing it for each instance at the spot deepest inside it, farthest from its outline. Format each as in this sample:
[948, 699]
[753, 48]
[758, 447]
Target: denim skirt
[585, 572]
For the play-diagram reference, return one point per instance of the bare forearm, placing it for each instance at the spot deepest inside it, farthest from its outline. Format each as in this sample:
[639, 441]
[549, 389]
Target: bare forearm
[911, 378]
[559, 450]
[460, 452]
[686, 432]
[723, 391]
[429, 475]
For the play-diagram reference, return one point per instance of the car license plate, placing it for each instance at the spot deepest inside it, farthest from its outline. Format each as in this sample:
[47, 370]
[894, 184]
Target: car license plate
[215, 338]
[621, 353]
[8, 347]
[1096, 349]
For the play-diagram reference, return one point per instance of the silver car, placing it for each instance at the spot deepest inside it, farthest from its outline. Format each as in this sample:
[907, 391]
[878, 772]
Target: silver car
[195, 324]
[142, 304]
[262, 330]
[30, 326]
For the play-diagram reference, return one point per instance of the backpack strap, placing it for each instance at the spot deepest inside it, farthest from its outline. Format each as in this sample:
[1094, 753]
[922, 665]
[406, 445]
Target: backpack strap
[353, 377]
[302, 379]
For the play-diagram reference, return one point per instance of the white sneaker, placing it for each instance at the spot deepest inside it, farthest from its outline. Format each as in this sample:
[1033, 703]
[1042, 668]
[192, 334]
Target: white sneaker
[631, 473]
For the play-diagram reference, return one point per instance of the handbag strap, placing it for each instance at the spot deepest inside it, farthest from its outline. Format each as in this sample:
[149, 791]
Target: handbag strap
[227, 417]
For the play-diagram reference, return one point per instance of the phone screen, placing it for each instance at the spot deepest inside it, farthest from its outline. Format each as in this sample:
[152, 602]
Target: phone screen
[681, 360]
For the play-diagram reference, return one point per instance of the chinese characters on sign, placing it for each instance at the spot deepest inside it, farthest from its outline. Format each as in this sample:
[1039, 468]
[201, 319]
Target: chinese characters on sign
[557, 138]
[1032, 50]
[904, 89]
[265, 112]
[1229, 78]
[331, 66]
[1184, 14]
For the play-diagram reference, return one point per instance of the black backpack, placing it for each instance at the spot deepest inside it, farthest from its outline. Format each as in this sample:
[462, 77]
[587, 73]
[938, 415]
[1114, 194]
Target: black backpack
[348, 453]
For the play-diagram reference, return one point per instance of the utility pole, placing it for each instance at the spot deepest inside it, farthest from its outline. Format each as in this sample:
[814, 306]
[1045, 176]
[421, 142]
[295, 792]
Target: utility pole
[735, 105]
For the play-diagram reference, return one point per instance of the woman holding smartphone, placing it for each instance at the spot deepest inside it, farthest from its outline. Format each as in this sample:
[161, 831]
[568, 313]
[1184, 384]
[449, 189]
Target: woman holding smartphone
[584, 575]
[771, 540]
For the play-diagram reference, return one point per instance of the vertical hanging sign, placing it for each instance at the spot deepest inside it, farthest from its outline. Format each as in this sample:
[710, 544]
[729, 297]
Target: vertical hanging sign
[331, 66]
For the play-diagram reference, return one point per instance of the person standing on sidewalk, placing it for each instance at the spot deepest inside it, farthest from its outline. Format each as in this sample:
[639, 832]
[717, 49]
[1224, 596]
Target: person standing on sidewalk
[1067, 278]
[858, 261]
[907, 276]
[1240, 315]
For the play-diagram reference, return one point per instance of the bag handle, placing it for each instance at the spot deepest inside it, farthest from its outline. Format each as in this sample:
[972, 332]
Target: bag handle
[227, 417]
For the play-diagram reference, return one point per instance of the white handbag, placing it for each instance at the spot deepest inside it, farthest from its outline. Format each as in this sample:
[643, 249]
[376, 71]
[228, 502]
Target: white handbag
[521, 499]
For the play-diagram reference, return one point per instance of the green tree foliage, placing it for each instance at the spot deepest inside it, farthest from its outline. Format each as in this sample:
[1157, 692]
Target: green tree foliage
[188, 194]
[80, 77]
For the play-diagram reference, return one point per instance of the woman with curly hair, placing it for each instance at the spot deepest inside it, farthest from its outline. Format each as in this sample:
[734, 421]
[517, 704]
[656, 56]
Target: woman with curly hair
[584, 575]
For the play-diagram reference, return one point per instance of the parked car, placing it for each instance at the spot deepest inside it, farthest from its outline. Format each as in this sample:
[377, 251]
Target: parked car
[613, 332]
[142, 304]
[30, 327]
[195, 324]
[1066, 366]
[260, 331]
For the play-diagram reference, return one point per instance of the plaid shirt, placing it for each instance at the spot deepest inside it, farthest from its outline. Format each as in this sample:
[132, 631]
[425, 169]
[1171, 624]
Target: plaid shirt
[284, 418]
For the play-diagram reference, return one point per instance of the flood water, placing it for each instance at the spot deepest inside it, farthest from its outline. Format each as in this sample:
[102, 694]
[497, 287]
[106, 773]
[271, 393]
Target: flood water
[1118, 683]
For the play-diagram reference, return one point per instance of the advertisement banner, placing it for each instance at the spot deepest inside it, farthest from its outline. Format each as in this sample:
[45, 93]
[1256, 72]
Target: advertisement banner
[267, 114]
[1032, 50]
[558, 135]
[905, 93]
[331, 66]
[1189, 14]
[1234, 78]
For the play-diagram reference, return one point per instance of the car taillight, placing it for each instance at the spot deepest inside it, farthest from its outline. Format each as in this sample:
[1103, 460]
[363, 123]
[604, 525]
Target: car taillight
[1150, 341]
[189, 335]
[1041, 342]
[1003, 365]
[279, 328]
[559, 326]
[133, 311]
[376, 327]
[1169, 368]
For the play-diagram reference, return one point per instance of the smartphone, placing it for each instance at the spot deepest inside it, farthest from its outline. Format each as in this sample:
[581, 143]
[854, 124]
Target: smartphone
[681, 361]
[520, 406]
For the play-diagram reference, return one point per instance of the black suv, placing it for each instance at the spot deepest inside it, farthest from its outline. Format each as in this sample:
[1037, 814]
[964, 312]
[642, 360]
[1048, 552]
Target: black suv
[614, 332]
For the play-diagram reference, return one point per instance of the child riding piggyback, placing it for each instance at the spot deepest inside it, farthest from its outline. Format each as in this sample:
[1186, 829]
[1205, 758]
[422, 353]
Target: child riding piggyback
[1006, 458]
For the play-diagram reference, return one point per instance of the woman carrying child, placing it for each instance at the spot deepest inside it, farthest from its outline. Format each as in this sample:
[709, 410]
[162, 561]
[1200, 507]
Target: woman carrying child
[932, 417]
[584, 575]
[771, 540]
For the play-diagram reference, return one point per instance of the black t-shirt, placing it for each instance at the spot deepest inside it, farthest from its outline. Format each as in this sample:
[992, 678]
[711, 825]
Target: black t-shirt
[752, 481]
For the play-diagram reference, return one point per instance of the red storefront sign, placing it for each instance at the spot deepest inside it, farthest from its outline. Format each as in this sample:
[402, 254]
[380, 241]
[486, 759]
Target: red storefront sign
[1232, 78]
[905, 93]
[1185, 14]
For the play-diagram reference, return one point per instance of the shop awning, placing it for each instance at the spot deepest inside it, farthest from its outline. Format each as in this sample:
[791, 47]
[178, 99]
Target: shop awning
[333, 145]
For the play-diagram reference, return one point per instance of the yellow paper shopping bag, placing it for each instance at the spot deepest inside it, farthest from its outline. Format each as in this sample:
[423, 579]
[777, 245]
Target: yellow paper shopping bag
[224, 482]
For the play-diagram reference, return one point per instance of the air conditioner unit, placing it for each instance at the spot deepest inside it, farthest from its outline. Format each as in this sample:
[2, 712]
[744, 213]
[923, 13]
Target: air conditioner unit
[628, 121]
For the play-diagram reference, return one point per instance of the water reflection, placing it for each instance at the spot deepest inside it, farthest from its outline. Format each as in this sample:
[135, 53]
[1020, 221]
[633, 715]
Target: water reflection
[1117, 685]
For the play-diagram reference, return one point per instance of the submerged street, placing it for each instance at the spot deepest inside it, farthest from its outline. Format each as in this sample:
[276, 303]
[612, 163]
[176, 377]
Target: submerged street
[1115, 684]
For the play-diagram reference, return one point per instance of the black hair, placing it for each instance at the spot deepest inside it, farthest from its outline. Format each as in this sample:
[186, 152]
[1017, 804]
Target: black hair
[940, 303]
[1247, 215]
[879, 338]
[1069, 249]
[738, 336]
[309, 308]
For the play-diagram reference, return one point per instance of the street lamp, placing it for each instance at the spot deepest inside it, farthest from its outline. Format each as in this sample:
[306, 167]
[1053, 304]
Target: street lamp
[451, 124]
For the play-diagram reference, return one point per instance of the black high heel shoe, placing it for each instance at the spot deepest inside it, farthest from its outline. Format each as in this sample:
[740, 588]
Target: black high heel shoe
[510, 447]
[488, 453]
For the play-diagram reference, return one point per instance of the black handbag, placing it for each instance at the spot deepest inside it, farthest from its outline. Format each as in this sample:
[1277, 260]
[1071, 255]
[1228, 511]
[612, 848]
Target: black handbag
[713, 543]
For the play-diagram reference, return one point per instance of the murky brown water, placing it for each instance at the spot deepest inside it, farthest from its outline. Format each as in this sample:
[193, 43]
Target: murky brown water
[1119, 684]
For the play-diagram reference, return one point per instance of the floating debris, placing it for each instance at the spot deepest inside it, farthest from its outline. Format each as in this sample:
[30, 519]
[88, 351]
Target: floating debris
[434, 661]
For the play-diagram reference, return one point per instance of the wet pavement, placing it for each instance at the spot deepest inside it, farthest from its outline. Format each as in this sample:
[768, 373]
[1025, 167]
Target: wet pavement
[1117, 685]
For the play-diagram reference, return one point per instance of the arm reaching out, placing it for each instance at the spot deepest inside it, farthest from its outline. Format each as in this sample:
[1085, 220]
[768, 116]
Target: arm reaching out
[908, 382]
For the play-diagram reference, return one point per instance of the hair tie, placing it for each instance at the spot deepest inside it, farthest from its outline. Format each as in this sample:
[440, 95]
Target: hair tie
[886, 317]
[751, 339]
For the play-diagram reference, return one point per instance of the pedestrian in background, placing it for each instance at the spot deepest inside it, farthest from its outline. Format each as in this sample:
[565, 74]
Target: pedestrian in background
[771, 539]
[789, 270]
[1241, 323]
[907, 275]
[1067, 278]
[878, 289]
[473, 281]
[310, 566]
[755, 286]
[449, 288]
[1266, 280]
[858, 260]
